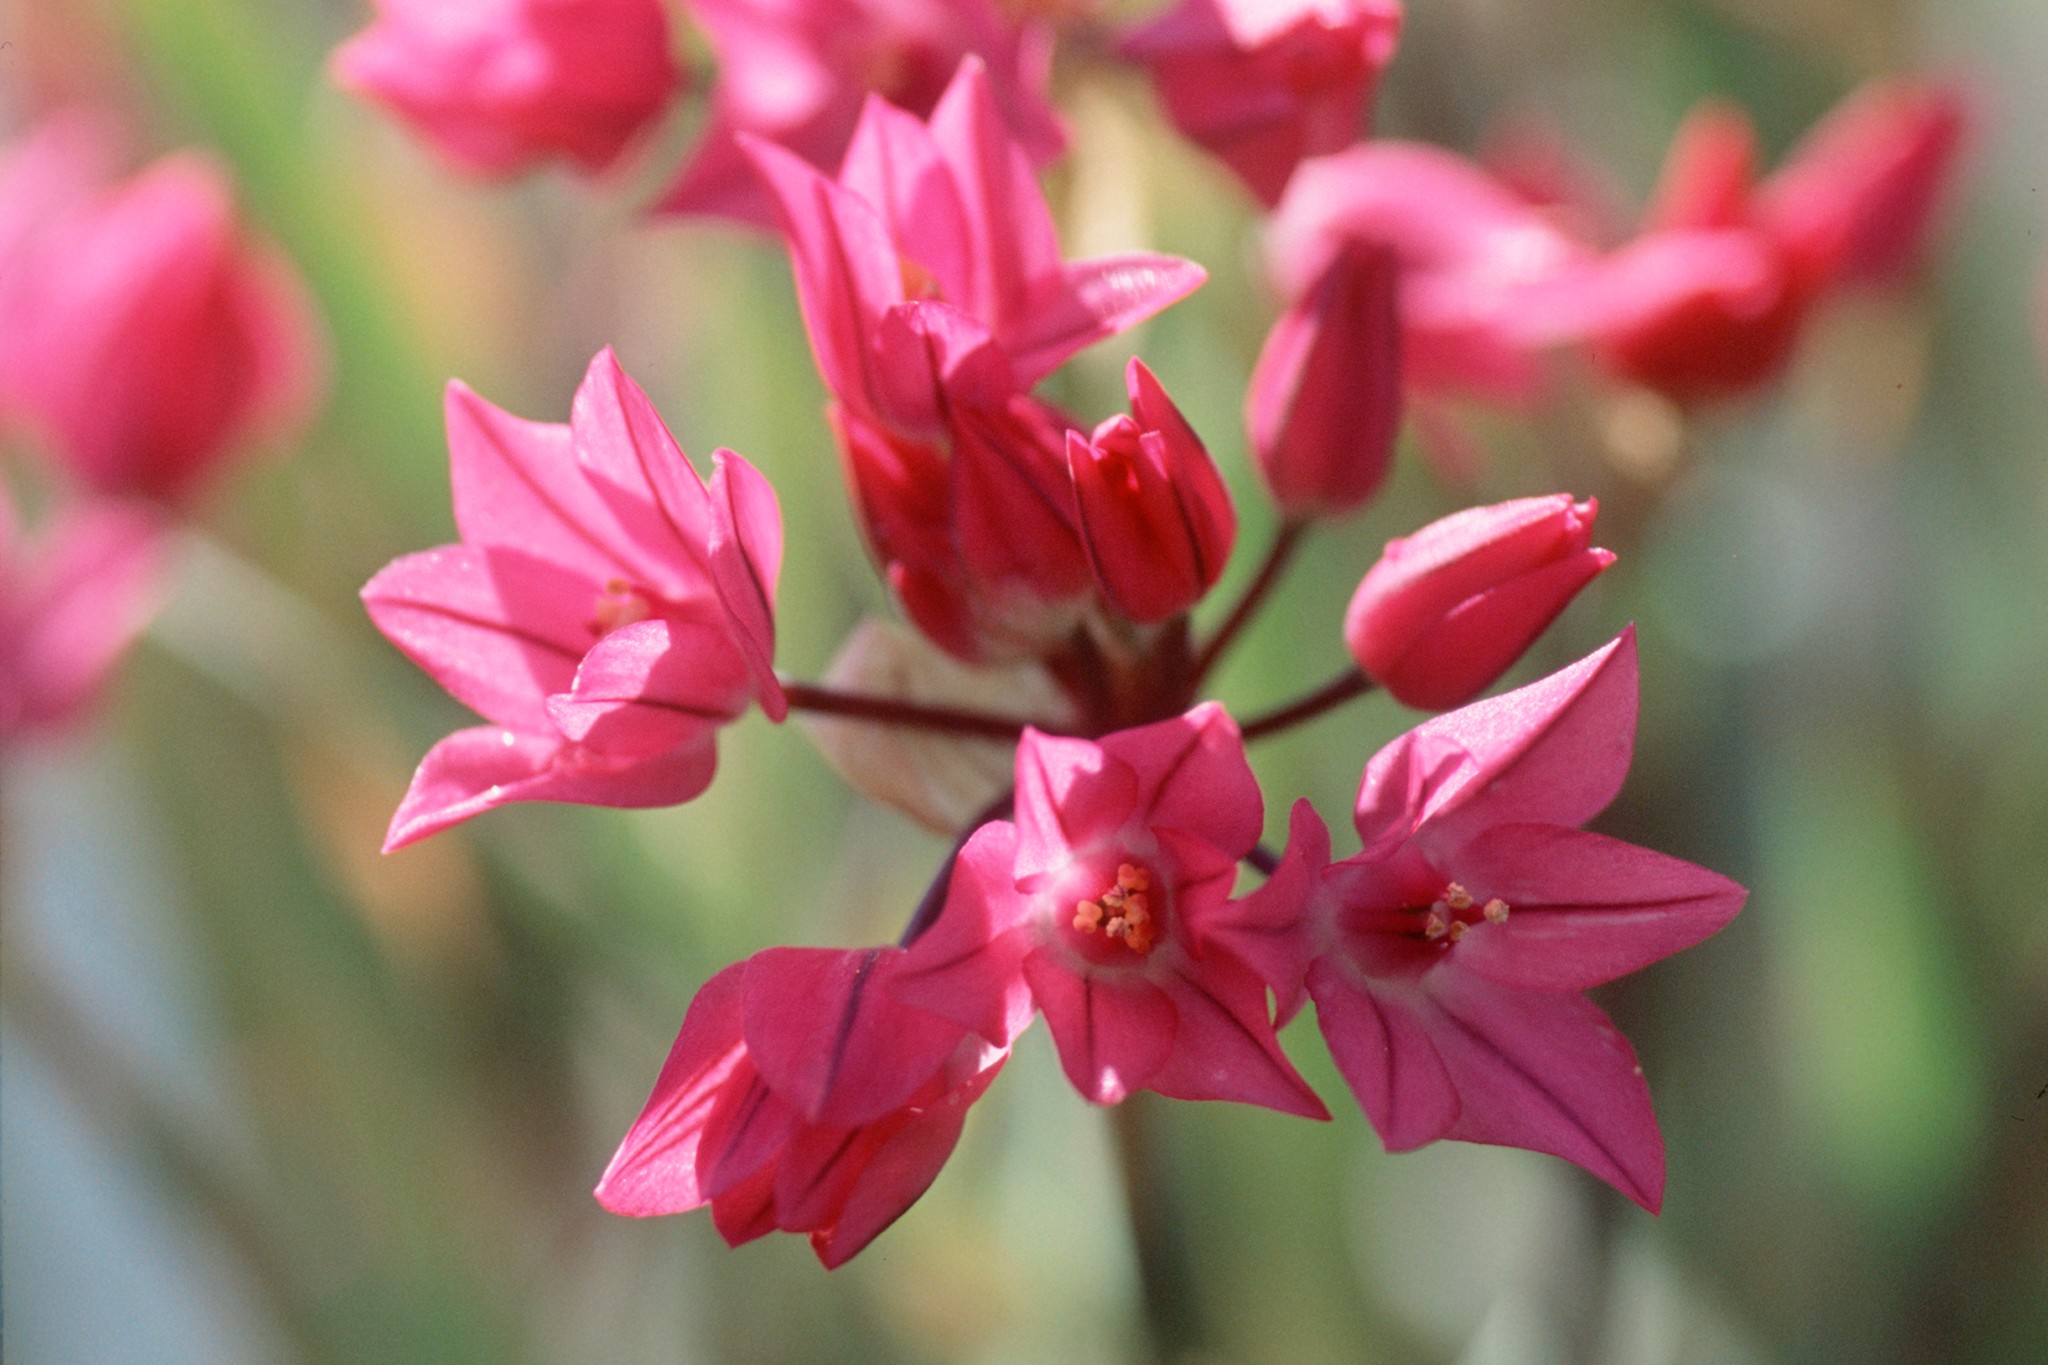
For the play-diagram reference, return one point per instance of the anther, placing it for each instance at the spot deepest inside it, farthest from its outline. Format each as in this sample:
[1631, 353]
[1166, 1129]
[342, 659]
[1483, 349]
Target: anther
[1457, 897]
[1496, 911]
[1132, 878]
[1458, 928]
[1087, 917]
[1439, 922]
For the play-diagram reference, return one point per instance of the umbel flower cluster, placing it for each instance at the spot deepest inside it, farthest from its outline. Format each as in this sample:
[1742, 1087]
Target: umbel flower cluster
[608, 610]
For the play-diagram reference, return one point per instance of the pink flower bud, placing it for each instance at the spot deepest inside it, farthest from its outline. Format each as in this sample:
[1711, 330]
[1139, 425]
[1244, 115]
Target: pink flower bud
[498, 86]
[1325, 400]
[1155, 516]
[1448, 609]
[147, 337]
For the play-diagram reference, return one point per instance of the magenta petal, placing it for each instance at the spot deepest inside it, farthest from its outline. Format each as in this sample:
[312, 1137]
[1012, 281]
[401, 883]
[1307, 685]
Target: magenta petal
[498, 628]
[1223, 1043]
[1584, 908]
[517, 485]
[1070, 793]
[969, 966]
[1554, 752]
[749, 1128]
[748, 1210]
[746, 563]
[1114, 1031]
[1268, 929]
[830, 1037]
[1095, 299]
[652, 498]
[1011, 244]
[1384, 1051]
[655, 1168]
[1550, 1073]
[1192, 776]
[901, 1170]
[894, 164]
[650, 686]
[475, 770]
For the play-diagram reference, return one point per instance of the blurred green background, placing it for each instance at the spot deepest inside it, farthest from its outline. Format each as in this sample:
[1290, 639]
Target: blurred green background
[268, 1096]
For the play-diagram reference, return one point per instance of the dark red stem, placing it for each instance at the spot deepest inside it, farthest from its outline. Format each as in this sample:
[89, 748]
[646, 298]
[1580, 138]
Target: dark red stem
[1332, 694]
[1277, 559]
[891, 711]
[934, 898]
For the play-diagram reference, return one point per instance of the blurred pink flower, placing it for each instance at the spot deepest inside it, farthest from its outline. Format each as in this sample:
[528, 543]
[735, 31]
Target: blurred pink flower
[1154, 514]
[606, 609]
[1447, 959]
[1477, 264]
[1265, 83]
[144, 335]
[1450, 608]
[73, 597]
[798, 73]
[1324, 403]
[1711, 297]
[499, 85]
[801, 1096]
[1092, 907]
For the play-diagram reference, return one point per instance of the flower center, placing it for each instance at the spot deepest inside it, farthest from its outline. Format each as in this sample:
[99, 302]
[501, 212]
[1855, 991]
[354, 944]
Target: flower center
[1454, 912]
[1124, 912]
[620, 604]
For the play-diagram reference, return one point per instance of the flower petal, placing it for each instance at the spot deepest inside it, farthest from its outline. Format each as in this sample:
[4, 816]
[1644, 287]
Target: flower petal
[1071, 793]
[1192, 776]
[1223, 1044]
[1114, 1031]
[650, 686]
[1386, 1055]
[969, 966]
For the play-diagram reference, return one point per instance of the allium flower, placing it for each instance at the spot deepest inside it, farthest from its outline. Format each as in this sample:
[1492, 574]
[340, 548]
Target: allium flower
[497, 86]
[798, 73]
[1447, 958]
[1093, 907]
[1324, 403]
[1712, 296]
[606, 609]
[1265, 83]
[144, 335]
[1447, 610]
[72, 599]
[801, 1096]
[1478, 264]
[1154, 513]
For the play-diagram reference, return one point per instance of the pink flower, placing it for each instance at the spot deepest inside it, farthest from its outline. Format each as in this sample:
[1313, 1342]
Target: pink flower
[144, 335]
[72, 600]
[1447, 959]
[1265, 83]
[497, 86]
[799, 72]
[1711, 298]
[800, 1096]
[605, 608]
[1324, 404]
[1093, 906]
[1155, 516]
[1447, 610]
[1478, 264]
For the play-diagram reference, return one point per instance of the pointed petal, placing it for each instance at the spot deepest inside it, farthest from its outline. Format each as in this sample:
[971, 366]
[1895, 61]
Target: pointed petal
[1114, 1031]
[655, 1168]
[1584, 908]
[746, 1211]
[1091, 300]
[1223, 1044]
[831, 1038]
[1011, 244]
[1268, 930]
[496, 627]
[1385, 1054]
[660, 515]
[749, 1128]
[1554, 752]
[894, 163]
[1550, 1073]
[1192, 776]
[746, 564]
[1070, 793]
[517, 485]
[969, 966]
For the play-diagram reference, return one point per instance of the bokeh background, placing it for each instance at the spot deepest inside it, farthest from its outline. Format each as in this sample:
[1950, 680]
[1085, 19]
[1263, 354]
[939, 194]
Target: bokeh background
[268, 1096]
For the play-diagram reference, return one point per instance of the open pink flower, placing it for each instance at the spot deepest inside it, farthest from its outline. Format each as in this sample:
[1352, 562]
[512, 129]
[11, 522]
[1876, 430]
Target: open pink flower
[499, 85]
[606, 609]
[798, 73]
[73, 597]
[1092, 908]
[1712, 296]
[801, 1096]
[145, 336]
[1449, 609]
[1154, 512]
[1264, 83]
[1477, 263]
[1447, 959]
